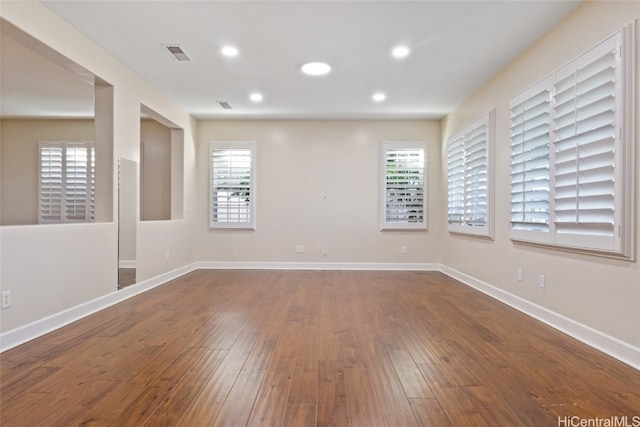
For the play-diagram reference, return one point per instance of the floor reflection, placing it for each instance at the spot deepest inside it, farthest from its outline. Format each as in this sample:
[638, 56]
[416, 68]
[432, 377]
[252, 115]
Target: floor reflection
[126, 277]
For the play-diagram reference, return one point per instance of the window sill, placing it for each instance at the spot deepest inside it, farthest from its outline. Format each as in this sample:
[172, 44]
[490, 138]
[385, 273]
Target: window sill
[574, 250]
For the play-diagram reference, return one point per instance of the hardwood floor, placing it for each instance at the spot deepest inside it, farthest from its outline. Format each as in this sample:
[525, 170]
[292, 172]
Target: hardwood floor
[311, 348]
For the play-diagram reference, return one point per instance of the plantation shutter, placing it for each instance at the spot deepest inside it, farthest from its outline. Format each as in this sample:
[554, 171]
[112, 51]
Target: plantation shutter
[232, 192]
[585, 146]
[66, 182]
[404, 185]
[530, 126]
[455, 177]
[572, 155]
[468, 161]
[51, 183]
[476, 175]
[79, 194]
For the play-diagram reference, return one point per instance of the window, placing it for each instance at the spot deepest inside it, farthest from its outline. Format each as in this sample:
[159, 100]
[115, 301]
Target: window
[469, 154]
[66, 182]
[232, 185]
[530, 124]
[571, 151]
[403, 185]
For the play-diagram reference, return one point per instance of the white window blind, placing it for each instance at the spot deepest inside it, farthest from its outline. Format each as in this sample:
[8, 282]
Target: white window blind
[455, 178]
[572, 138]
[585, 146]
[530, 125]
[468, 174]
[232, 185]
[403, 185]
[66, 182]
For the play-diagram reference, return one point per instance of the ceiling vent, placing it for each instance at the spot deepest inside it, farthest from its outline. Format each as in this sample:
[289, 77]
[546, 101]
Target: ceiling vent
[177, 52]
[225, 105]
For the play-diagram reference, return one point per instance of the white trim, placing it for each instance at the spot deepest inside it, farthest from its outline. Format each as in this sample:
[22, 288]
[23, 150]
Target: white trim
[89, 187]
[572, 226]
[30, 331]
[126, 263]
[253, 197]
[385, 146]
[612, 346]
[365, 266]
[628, 134]
[486, 121]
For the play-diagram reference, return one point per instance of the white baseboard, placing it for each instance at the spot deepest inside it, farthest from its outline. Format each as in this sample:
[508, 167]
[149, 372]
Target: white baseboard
[371, 266]
[124, 263]
[612, 346]
[607, 344]
[30, 331]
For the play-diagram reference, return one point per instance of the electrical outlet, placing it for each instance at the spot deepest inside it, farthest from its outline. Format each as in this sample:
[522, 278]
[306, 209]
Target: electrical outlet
[167, 256]
[6, 299]
[520, 275]
[541, 281]
[299, 249]
[320, 249]
[403, 249]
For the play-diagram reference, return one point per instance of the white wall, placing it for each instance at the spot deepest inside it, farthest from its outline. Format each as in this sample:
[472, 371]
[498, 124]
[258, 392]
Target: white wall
[299, 162]
[155, 170]
[50, 268]
[600, 293]
[128, 176]
[55, 267]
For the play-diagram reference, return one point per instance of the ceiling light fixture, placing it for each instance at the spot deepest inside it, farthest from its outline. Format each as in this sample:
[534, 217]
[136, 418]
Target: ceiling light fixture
[315, 68]
[229, 51]
[379, 97]
[256, 97]
[400, 52]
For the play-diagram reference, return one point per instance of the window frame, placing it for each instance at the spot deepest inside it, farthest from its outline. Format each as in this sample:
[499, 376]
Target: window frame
[581, 237]
[485, 124]
[385, 146]
[89, 215]
[233, 145]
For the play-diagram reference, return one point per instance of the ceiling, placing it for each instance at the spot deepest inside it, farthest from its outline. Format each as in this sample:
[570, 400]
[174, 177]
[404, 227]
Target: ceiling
[455, 46]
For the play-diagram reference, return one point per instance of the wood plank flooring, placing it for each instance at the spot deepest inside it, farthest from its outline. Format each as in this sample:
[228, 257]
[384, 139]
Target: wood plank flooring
[311, 348]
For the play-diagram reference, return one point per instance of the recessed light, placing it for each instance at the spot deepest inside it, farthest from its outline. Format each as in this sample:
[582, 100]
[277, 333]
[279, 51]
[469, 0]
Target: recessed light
[315, 68]
[256, 97]
[379, 97]
[229, 51]
[400, 52]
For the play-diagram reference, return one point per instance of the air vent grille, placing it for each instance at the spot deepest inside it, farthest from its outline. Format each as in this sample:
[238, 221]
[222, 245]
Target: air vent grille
[178, 53]
[225, 105]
